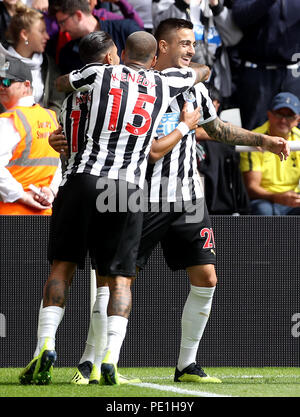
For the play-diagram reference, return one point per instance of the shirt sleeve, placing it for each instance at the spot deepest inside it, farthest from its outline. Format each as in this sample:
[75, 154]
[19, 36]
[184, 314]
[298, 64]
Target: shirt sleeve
[130, 13]
[179, 80]
[10, 189]
[248, 12]
[230, 33]
[207, 108]
[85, 78]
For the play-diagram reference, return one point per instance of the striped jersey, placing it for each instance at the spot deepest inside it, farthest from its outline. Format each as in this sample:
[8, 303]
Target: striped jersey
[111, 132]
[175, 176]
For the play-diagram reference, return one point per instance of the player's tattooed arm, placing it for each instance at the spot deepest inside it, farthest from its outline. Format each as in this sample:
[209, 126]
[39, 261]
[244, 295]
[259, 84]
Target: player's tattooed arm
[234, 135]
[62, 84]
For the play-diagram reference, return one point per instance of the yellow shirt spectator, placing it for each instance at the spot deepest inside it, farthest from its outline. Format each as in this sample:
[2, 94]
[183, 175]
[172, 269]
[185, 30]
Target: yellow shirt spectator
[273, 185]
[277, 176]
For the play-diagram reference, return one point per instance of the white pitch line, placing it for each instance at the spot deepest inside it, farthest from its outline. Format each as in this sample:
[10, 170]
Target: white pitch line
[167, 378]
[176, 390]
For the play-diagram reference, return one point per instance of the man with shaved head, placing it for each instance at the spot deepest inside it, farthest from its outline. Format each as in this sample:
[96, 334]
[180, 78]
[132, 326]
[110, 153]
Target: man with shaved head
[96, 207]
[140, 46]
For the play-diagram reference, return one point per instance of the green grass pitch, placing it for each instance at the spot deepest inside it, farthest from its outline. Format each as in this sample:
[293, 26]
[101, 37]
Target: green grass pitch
[158, 382]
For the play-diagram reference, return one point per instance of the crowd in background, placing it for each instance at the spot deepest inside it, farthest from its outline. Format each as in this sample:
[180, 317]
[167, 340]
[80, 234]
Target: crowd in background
[252, 48]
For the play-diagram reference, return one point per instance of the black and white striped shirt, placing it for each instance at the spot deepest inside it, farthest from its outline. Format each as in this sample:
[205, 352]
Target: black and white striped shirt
[175, 176]
[74, 118]
[124, 109]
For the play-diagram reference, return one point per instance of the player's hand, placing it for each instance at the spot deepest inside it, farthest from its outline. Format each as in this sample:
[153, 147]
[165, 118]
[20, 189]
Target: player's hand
[277, 145]
[58, 142]
[289, 198]
[191, 119]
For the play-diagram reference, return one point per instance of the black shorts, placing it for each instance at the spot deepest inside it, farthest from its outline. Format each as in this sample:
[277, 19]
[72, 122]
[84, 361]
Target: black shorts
[77, 226]
[184, 242]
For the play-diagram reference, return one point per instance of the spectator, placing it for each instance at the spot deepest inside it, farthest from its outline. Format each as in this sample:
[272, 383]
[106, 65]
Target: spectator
[268, 53]
[127, 11]
[273, 186]
[58, 38]
[214, 31]
[25, 155]
[75, 17]
[27, 38]
[41, 5]
[7, 10]
[144, 10]
[158, 6]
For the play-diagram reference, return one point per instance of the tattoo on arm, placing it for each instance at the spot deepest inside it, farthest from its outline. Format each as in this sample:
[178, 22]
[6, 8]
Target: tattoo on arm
[232, 135]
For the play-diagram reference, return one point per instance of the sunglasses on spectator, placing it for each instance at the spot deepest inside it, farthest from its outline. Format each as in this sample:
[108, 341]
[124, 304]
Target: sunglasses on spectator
[6, 82]
[283, 116]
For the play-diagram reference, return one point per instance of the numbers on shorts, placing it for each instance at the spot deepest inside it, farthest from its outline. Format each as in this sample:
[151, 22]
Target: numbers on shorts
[138, 110]
[208, 234]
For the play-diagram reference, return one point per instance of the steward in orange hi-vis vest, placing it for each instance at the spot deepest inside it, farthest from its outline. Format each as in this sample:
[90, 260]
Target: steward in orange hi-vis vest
[33, 161]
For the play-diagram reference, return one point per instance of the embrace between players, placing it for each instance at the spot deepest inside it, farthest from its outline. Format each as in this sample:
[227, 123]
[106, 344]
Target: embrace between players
[109, 123]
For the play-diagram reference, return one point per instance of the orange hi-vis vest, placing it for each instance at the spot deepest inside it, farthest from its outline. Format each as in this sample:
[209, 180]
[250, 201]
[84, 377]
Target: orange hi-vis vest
[33, 160]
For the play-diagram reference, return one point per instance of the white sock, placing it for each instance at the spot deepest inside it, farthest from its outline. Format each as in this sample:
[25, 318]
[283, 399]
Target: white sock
[49, 320]
[89, 350]
[116, 331]
[37, 348]
[194, 319]
[97, 336]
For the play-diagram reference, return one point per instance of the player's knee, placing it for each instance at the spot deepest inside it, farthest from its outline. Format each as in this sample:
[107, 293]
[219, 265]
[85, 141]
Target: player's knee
[209, 280]
[116, 282]
[203, 276]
